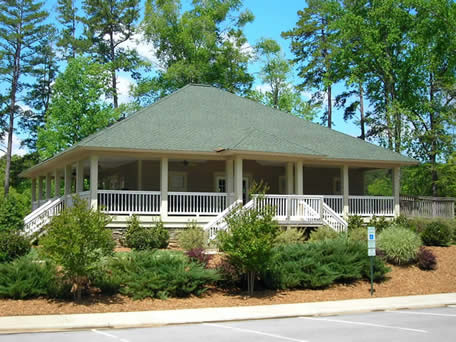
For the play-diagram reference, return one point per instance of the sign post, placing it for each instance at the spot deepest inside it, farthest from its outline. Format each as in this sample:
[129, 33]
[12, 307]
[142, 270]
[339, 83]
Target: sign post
[371, 254]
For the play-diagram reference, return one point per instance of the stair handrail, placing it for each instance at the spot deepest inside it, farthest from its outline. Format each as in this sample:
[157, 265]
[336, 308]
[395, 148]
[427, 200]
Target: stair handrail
[213, 226]
[334, 215]
[45, 210]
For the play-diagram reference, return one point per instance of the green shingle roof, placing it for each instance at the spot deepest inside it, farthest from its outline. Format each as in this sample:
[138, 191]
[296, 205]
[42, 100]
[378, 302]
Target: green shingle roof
[201, 118]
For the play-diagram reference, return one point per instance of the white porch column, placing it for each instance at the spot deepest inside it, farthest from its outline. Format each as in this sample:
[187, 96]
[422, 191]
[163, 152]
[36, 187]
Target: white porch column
[139, 175]
[344, 186]
[40, 190]
[299, 189]
[229, 176]
[238, 179]
[289, 178]
[56, 183]
[67, 184]
[94, 182]
[48, 186]
[396, 190]
[164, 187]
[33, 192]
[79, 176]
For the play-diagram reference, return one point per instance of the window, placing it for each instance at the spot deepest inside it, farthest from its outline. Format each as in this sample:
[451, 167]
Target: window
[220, 184]
[337, 189]
[177, 181]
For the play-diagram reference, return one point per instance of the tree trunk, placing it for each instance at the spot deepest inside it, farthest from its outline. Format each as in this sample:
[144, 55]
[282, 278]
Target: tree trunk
[329, 107]
[113, 72]
[361, 111]
[250, 282]
[433, 152]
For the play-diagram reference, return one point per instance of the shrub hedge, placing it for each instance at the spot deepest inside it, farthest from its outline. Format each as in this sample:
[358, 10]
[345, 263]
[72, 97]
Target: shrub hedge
[323, 233]
[319, 264]
[193, 237]
[426, 260]
[289, 236]
[436, 233]
[13, 245]
[142, 238]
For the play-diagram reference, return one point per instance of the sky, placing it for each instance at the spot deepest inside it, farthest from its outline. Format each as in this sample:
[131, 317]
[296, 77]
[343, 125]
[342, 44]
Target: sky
[272, 17]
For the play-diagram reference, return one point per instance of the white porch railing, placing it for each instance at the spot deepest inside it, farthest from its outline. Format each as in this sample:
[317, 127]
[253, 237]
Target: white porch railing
[129, 202]
[362, 205]
[198, 203]
[38, 218]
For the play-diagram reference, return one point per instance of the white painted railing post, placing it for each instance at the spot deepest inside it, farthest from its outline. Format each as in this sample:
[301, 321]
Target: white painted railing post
[79, 176]
[299, 189]
[229, 181]
[56, 183]
[288, 207]
[290, 178]
[164, 187]
[238, 178]
[67, 185]
[397, 190]
[94, 182]
[345, 190]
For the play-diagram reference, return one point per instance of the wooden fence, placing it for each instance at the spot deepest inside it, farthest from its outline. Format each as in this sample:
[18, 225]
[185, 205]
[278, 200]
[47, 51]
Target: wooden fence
[423, 206]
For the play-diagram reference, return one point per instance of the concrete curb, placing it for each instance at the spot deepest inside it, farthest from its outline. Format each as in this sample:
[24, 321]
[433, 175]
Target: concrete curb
[22, 324]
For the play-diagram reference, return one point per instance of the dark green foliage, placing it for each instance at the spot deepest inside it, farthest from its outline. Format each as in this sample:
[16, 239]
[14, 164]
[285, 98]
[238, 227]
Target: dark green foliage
[193, 237]
[355, 221]
[320, 264]
[436, 234]
[28, 278]
[426, 260]
[380, 223]
[145, 238]
[399, 244]
[12, 246]
[76, 240]
[161, 274]
[12, 211]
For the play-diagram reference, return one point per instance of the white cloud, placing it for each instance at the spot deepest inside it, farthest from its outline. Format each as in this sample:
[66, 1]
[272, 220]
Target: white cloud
[124, 85]
[144, 48]
[17, 149]
[263, 88]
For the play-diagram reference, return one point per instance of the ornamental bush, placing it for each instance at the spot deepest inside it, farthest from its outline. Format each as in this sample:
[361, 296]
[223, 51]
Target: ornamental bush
[13, 209]
[358, 234]
[320, 264]
[26, 278]
[380, 223]
[323, 233]
[199, 255]
[160, 274]
[193, 237]
[399, 244]
[426, 260]
[355, 221]
[13, 245]
[289, 236]
[142, 238]
[249, 240]
[76, 240]
[436, 233]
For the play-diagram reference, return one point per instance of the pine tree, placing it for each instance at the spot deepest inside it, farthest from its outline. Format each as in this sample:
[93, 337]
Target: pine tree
[108, 24]
[21, 32]
[67, 17]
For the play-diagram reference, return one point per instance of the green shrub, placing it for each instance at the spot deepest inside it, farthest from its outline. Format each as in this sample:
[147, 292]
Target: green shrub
[193, 237]
[289, 236]
[144, 238]
[355, 221]
[160, 274]
[76, 240]
[13, 245]
[436, 234]
[249, 240]
[380, 223]
[358, 234]
[323, 233]
[321, 263]
[27, 278]
[399, 244]
[13, 209]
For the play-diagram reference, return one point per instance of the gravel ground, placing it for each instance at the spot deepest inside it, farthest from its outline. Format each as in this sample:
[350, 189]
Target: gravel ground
[403, 281]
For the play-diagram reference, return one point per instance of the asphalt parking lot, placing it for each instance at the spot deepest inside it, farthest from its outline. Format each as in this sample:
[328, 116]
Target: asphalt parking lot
[437, 324]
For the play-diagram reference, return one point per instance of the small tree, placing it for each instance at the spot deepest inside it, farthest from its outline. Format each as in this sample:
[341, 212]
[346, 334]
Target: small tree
[249, 240]
[76, 240]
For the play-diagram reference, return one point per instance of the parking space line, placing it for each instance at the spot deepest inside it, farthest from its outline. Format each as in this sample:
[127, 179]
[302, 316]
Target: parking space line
[254, 332]
[422, 313]
[364, 323]
[109, 335]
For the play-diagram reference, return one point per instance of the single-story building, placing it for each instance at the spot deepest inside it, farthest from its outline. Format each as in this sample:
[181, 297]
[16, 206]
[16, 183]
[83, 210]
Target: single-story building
[192, 154]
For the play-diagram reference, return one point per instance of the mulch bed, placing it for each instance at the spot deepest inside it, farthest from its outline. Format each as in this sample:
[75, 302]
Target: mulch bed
[403, 281]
